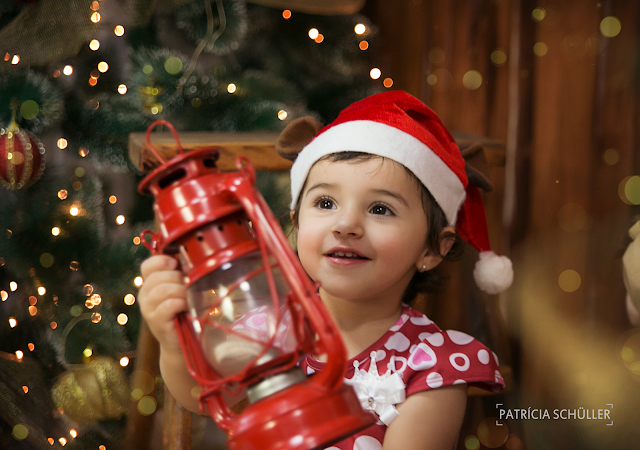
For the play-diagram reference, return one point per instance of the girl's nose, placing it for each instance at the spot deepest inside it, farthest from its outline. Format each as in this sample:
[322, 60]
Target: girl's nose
[347, 224]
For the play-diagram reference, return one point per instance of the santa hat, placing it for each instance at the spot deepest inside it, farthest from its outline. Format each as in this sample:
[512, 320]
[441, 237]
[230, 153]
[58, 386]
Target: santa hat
[400, 127]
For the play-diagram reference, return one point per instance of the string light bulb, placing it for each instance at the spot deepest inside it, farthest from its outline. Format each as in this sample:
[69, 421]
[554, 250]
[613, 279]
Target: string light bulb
[231, 88]
[118, 30]
[313, 33]
[67, 70]
[360, 28]
[375, 73]
[94, 44]
[95, 17]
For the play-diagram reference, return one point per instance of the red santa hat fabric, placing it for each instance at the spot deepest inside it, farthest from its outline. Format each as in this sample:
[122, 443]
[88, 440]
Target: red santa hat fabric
[398, 126]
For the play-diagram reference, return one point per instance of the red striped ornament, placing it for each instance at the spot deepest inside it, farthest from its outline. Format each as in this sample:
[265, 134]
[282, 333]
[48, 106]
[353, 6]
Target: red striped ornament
[22, 157]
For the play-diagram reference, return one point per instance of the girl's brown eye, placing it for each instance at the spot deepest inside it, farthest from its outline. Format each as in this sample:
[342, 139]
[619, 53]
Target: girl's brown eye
[324, 203]
[381, 210]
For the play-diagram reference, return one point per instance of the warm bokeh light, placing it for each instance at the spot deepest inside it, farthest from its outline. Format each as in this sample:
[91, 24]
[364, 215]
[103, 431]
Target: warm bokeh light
[538, 14]
[67, 70]
[610, 156]
[95, 299]
[113, 199]
[96, 317]
[94, 44]
[363, 45]
[62, 194]
[73, 433]
[286, 14]
[19, 354]
[55, 231]
[120, 219]
[122, 319]
[388, 82]
[13, 322]
[19, 432]
[129, 299]
[74, 211]
[33, 311]
[492, 432]
[610, 26]
[147, 406]
[375, 73]
[319, 38]
[56, 73]
[51, 441]
[62, 143]
[13, 286]
[118, 30]
[360, 28]
[472, 80]
[231, 88]
[15, 60]
[31, 346]
[95, 5]
[103, 66]
[53, 325]
[124, 361]
[498, 57]
[4, 295]
[282, 114]
[569, 280]
[471, 443]
[513, 443]
[313, 33]
[42, 290]
[63, 441]
[122, 89]
[540, 49]
[137, 281]
[95, 17]
[83, 152]
[137, 240]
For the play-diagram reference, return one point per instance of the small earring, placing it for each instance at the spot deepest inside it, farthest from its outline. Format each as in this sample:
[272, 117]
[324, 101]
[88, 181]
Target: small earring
[424, 267]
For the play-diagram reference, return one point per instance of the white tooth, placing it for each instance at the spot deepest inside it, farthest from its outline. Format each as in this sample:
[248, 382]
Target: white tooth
[338, 254]
[349, 255]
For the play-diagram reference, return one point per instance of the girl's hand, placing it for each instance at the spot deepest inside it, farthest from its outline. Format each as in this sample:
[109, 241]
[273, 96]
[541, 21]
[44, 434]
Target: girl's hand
[162, 296]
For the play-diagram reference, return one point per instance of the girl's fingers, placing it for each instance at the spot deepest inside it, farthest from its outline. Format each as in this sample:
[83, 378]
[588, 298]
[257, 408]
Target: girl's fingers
[157, 263]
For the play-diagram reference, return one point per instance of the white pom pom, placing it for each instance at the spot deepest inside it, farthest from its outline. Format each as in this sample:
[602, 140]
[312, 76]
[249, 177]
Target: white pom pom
[493, 273]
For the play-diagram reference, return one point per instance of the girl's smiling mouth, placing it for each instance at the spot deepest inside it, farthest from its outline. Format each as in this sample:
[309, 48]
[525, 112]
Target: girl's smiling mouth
[345, 256]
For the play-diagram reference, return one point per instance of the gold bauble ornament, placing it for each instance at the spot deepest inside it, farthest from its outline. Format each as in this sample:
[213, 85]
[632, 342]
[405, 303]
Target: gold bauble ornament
[98, 390]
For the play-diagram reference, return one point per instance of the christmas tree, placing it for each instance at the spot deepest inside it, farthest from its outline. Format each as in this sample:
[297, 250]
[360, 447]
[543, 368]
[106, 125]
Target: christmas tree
[92, 72]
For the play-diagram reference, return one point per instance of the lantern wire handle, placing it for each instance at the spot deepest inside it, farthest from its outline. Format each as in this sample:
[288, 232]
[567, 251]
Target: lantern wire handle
[173, 131]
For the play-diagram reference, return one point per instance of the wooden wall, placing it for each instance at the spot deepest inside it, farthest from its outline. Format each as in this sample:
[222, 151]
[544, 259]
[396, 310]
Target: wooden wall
[557, 203]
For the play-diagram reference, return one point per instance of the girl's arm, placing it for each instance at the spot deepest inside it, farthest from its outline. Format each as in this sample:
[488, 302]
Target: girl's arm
[428, 420]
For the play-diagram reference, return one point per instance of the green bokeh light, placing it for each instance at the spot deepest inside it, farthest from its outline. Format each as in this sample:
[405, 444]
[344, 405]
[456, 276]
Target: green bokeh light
[29, 109]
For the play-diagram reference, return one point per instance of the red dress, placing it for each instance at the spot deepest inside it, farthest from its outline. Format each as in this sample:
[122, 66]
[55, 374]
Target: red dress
[414, 355]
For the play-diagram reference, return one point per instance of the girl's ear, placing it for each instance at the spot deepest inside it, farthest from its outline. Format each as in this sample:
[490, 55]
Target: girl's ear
[431, 259]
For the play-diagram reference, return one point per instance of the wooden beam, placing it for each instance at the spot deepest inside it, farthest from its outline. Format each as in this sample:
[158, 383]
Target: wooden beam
[257, 146]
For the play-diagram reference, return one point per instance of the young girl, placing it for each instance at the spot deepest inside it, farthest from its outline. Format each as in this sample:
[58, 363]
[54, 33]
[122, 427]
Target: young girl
[375, 199]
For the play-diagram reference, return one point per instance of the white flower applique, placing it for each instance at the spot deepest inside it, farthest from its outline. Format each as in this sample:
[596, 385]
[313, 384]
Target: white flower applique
[379, 393]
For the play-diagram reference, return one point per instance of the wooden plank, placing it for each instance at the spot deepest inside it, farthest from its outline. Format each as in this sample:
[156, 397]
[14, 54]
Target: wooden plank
[257, 146]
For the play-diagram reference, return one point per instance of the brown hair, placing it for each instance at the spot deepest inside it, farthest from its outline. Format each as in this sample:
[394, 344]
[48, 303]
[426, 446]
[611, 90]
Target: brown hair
[422, 282]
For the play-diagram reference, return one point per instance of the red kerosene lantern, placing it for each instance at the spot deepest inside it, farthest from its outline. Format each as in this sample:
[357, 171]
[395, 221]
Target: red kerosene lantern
[253, 311]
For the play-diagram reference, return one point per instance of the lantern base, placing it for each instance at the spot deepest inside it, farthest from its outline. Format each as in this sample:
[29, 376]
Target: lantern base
[301, 417]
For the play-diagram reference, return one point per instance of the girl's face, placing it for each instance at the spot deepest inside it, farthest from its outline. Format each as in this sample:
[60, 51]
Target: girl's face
[362, 228]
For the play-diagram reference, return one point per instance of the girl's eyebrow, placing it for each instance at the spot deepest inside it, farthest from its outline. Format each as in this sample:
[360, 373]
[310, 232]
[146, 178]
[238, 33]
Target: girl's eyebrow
[321, 186]
[395, 195]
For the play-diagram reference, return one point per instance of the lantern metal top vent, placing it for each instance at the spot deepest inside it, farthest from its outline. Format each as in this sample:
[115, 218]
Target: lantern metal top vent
[253, 312]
